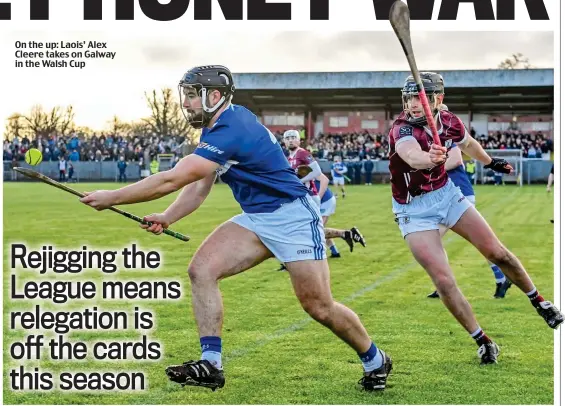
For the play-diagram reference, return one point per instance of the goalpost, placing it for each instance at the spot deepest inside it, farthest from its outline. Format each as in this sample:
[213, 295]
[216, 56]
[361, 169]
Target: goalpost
[514, 158]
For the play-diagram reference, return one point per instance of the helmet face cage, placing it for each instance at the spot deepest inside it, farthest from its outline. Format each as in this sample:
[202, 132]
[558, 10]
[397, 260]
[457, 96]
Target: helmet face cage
[195, 118]
[433, 86]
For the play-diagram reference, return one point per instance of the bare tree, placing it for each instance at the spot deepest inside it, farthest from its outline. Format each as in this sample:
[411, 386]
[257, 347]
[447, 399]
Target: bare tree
[15, 127]
[66, 122]
[119, 127]
[516, 61]
[141, 128]
[40, 122]
[166, 116]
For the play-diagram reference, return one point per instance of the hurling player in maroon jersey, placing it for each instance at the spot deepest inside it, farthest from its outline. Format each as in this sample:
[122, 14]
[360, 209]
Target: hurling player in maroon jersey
[424, 197]
[299, 156]
[302, 157]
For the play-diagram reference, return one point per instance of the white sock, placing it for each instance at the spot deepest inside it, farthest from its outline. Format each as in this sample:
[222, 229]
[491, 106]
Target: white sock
[477, 331]
[214, 357]
[375, 363]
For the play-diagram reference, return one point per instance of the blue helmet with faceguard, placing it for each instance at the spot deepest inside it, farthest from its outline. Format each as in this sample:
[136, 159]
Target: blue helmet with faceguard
[200, 82]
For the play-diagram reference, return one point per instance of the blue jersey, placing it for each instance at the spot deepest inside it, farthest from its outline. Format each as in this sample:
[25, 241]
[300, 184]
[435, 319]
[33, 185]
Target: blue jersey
[338, 167]
[252, 161]
[459, 177]
[327, 196]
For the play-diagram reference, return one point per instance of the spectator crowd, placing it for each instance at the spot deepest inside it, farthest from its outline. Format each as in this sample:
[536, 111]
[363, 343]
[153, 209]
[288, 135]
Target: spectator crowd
[134, 148]
[359, 146]
[97, 148]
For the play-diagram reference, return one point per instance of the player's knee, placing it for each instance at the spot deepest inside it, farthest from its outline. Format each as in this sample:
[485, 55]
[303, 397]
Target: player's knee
[499, 255]
[199, 273]
[445, 283]
[319, 310]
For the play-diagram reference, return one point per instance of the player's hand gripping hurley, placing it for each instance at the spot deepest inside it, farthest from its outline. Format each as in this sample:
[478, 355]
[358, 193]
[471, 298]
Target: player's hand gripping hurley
[36, 175]
[399, 17]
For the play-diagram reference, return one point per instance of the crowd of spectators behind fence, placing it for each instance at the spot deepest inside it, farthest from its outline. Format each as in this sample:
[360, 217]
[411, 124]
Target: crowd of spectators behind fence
[375, 146]
[352, 146]
[97, 148]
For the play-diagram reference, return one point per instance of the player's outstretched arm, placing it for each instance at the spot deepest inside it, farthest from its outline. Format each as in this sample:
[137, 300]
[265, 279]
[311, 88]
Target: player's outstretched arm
[454, 159]
[189, 170]
[411, 153]
[189, 199]
[471, 147]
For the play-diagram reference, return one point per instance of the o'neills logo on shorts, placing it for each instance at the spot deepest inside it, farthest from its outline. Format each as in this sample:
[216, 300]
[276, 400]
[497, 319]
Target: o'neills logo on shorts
[303, 252]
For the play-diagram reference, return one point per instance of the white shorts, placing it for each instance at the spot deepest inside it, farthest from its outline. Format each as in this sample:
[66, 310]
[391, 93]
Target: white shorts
[293, 232]
[339, 181]
[328, 207]
[425, 212]
[471, 199]
[317, 200]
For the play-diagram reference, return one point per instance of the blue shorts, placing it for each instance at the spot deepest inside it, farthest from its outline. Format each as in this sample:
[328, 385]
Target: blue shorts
[426, 212]
[293, 232]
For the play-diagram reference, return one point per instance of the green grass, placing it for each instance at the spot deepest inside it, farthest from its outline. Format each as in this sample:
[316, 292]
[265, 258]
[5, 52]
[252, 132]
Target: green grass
[273, 353]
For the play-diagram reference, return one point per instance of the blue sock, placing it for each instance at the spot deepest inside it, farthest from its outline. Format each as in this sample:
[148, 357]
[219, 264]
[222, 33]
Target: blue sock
[334, 250]
[372, 359]
[212, 350]
[498, 275]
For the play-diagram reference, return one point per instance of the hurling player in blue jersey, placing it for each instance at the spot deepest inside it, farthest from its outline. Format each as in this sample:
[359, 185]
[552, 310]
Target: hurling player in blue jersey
[338, 170]
[279, 219]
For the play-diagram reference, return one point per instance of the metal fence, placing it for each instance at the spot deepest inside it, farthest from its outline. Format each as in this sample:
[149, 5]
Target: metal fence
[83, 171]
[534, 171]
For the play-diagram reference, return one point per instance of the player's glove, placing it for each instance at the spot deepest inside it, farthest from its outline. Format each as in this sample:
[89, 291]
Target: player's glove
[499, 165]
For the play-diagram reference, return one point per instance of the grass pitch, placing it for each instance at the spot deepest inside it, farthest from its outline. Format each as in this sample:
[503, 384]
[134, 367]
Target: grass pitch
[273, 352]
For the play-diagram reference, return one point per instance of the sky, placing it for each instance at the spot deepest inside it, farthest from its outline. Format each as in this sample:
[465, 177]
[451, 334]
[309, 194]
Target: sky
[105, 88]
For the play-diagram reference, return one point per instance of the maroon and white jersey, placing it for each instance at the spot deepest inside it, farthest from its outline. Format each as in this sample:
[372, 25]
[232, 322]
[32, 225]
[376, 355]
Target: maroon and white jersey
[302, 156]
[408, 182]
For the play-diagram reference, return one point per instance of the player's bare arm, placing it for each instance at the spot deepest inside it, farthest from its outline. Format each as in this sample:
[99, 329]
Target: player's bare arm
[189, 170]
[411, 153]
[471, 147]
[454, 159]
[324, 182]
[189, 200]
